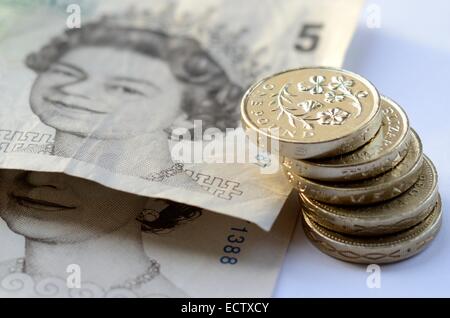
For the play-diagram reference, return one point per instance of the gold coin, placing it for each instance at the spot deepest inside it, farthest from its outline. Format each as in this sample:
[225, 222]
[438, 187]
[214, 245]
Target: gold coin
[312, 112]
[382, 153]
[381, 188]
[382, 249]
[395, 215]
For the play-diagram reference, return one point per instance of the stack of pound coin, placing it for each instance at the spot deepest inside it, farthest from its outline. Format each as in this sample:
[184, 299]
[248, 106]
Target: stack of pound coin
[368, 194]
[372, 190]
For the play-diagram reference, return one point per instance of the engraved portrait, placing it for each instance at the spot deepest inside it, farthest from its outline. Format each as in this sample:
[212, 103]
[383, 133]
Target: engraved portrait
[114, 93]
[68, 220]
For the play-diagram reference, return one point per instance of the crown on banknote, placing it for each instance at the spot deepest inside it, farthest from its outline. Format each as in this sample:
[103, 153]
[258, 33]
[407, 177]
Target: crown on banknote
[227, 46]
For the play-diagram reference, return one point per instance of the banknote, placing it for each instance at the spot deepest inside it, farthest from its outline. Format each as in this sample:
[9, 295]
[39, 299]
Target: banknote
[97, 89]
[64, 236]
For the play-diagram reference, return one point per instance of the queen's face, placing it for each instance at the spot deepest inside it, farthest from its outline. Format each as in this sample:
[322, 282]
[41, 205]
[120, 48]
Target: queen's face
[107, 93]
[6, 178]
[56, 208]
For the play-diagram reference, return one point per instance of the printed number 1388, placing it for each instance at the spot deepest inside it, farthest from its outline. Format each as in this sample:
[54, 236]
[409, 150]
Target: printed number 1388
[233, 248]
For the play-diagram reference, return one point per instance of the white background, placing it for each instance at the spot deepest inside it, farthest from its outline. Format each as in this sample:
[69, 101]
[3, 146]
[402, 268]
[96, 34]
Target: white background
[408, 59]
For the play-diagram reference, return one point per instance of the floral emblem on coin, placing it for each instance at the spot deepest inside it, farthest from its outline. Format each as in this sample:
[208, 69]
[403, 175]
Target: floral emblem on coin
[339, 89]
[317, 87]
[306, 112]
[333, 116]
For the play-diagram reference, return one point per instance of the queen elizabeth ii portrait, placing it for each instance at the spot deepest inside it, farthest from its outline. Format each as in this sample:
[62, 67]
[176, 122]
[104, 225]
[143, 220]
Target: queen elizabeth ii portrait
[66, 220]
[114, 93]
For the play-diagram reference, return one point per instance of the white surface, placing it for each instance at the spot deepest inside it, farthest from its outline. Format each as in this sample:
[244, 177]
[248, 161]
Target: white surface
[408, 59]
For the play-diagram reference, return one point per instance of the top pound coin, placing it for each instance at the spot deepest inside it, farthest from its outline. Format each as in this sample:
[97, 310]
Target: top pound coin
[312, 112]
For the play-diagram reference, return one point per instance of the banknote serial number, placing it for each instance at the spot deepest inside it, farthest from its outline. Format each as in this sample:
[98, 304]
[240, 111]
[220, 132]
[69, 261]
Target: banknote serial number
[235, 241]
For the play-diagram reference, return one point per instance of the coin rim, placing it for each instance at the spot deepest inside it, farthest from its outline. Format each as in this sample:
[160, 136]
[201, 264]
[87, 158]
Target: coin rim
[428, 228]
[323, 211]
[403, 236]
[332, 148]
[356, 190]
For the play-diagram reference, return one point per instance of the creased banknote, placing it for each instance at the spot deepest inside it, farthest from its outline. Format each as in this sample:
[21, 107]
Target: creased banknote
[96, 89]
[63, 236]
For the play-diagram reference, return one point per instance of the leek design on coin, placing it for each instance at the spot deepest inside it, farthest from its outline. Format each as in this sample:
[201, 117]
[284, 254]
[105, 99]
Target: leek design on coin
[398, 214]
[382, 153]
[381, 188]
[313, 112]
[384, 249]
